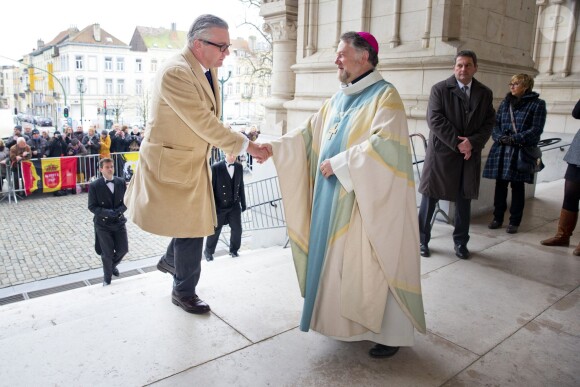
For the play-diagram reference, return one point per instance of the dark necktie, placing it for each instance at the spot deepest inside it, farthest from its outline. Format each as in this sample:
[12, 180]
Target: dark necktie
[109, 181]
[209, 79]
[465, 89]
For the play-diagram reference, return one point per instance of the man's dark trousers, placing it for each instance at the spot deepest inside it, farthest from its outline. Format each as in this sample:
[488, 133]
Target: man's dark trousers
[184, 254]
[113, 243]
[233, 217]
[461, 220]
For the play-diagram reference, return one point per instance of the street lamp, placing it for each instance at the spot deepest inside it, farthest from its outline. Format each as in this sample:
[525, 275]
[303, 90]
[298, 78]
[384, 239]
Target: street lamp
[82, 89]
[223, 80]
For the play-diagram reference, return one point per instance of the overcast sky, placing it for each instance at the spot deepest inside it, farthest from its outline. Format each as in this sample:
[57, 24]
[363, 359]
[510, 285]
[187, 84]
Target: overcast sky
[41, 19]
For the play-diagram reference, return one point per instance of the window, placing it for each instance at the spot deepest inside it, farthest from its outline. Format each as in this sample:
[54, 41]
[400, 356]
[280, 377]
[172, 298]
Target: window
[138, 65]
[79, 62]
[237, 87]
[138, 87]
[120, 87]
[120, 64]
[229, 89]
[108, 64]
[109, 86]
[153, 64]
[238, 70]
[92, 63]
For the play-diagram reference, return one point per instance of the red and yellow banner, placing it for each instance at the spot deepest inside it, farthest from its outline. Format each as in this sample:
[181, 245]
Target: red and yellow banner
[49, 175]
[59, 173]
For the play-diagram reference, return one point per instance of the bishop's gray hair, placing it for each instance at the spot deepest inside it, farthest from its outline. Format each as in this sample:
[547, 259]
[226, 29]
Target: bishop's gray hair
[201, 25]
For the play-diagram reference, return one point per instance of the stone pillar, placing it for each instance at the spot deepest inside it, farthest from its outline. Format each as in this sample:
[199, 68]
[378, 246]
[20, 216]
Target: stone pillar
[280, 18]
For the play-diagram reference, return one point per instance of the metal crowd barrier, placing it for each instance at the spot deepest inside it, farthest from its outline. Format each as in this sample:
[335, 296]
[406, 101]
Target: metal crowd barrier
[416, 163]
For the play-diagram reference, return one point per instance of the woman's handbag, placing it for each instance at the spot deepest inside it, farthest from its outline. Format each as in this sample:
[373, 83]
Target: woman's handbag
[529, 157]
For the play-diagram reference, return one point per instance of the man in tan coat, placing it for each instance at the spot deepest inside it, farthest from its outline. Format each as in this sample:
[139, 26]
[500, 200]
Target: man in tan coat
[171, 192]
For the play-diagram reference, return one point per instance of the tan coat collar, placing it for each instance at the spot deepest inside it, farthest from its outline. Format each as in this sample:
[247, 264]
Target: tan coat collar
[197, 71]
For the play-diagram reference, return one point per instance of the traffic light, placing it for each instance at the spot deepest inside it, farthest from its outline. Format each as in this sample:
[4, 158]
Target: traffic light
[15, 111]
[65, 112]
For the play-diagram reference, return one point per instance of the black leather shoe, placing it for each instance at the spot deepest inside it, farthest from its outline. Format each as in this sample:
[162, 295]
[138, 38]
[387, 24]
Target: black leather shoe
[511, 229]
[164, 267]
[234, 255]
[382, 351]
[190, 304]
[494, 224]
[461, 251]
[424, 249]
[208, 256]
[115, 272]
[105, 283]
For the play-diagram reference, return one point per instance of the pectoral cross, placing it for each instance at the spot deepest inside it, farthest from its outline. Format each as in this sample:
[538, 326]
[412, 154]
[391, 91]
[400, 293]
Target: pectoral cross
[333, 131]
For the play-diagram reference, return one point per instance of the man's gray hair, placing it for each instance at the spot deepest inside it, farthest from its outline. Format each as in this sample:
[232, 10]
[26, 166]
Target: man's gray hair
[201, 25]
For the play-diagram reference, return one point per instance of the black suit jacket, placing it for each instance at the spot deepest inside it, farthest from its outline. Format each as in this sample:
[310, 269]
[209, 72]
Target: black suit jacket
[108, 208]
[228, 192]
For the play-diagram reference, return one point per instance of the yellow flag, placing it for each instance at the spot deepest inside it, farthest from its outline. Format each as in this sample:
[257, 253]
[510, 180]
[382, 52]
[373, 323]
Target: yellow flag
[50, 78]
[31, 79]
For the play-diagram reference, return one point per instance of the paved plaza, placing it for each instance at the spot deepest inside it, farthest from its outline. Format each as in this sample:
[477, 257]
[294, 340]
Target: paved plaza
[43, 236]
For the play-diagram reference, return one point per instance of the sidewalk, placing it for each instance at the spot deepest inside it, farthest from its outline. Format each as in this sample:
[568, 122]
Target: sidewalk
[509, 316]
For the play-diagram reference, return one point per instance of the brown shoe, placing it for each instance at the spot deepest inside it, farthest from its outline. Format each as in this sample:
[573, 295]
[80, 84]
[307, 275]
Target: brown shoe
[566, 225]
[190, 304]
[577, 250]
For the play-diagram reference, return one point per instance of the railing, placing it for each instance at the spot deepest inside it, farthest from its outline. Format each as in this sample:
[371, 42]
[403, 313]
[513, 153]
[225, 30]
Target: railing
[416, 163]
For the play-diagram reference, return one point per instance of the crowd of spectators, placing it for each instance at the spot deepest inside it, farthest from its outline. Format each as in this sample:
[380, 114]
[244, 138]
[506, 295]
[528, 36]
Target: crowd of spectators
[29, 143]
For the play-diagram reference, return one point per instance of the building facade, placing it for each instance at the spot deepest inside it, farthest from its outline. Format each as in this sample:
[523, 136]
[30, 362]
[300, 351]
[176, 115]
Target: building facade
[417, 42]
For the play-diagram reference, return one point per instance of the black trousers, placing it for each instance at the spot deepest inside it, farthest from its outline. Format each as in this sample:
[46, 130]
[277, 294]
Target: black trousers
[461, 221]
[113, 245]
[184, 254]
[500, 201]
[232, 217]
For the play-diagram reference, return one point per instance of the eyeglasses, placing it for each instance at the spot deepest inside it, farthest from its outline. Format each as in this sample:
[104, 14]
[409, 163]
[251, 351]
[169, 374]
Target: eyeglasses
[222, 47]
[514, 84]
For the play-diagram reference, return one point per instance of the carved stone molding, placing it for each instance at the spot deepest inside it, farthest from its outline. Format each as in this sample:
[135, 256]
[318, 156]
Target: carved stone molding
[281, 29]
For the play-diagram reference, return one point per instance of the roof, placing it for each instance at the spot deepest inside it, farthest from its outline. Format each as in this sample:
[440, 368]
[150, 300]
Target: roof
[145, 38]
[89, 36]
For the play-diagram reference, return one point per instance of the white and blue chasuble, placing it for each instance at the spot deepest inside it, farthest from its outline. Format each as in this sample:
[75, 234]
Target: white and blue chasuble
[354, 235]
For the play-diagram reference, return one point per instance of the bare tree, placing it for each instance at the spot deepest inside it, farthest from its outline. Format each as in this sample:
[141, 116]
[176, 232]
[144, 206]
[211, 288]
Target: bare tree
[117, 104]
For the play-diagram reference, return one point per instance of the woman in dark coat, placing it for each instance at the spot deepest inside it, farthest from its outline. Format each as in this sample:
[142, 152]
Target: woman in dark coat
[529, 117]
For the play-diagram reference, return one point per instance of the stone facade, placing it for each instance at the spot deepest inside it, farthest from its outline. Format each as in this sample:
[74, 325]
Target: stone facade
[418, 40]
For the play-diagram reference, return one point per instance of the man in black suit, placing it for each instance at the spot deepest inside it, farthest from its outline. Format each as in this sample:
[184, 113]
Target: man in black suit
[230, 199]
[106, 202]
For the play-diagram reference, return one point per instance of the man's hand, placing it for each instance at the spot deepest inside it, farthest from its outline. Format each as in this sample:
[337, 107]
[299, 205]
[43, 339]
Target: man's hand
[18, 158]
[260, 153]
[268, 148]
[465, 147]
[326, 168]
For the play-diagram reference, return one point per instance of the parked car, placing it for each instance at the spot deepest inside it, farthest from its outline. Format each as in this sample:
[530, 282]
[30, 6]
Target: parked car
[44, 121]
[240, 121]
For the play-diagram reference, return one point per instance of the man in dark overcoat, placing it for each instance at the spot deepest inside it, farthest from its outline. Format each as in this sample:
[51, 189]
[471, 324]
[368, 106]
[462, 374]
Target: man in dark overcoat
[460, 116]
[228, 190]
[106, 202]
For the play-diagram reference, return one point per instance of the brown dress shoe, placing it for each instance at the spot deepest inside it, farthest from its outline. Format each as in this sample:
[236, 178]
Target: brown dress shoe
[190, 304]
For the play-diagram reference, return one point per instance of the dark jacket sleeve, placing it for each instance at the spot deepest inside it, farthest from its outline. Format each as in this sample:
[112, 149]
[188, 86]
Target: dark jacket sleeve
[576, 111]
[437, 119]
[481, 136]
[94, 206]
[242, 190]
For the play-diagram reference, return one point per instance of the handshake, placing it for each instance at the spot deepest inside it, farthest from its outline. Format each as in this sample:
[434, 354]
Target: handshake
[261, 152]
